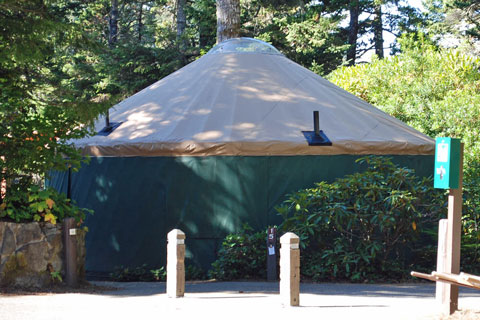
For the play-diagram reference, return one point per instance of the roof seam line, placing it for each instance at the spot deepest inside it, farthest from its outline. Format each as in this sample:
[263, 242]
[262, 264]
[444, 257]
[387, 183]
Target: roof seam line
[276, 104]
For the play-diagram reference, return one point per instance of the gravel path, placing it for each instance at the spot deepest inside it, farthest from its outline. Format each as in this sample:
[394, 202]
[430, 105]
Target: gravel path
[238, 300]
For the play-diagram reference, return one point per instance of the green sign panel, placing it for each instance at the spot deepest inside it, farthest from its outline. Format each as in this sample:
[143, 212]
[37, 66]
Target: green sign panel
[447, 163]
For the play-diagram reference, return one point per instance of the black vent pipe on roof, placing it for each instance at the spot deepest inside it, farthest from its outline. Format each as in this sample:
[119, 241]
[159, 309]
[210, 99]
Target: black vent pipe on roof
[316, 124]
[316, 137]
[109, 126]
[107, 120]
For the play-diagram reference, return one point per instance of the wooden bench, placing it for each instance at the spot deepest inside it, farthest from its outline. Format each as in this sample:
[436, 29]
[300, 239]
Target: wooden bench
[462, 279]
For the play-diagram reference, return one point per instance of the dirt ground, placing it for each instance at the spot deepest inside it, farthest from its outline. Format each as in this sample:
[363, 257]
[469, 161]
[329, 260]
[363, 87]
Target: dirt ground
[85, 287]
[463, 315]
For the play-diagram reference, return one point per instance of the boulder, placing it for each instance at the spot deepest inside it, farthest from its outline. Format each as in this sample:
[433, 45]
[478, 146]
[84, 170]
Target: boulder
[27, 233]
[29, 252]
[36, 255]
[8, 245]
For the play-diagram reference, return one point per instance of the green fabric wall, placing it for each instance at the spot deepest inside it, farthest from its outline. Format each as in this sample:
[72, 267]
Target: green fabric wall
[137, 200]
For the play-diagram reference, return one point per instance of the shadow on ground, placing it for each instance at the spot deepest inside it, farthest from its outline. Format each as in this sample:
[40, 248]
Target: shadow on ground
[420, 290]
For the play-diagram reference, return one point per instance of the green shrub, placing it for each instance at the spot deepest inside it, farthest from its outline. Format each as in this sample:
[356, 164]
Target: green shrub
[437, 92]
[141, 273]
[368, 225]
[194, 272]
[242, 256]
[145, 274]
[39, 204]
[470, 259]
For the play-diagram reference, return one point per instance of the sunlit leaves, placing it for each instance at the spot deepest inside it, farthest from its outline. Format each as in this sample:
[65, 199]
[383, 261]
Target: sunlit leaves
[39, 204]
[49, 203]
[436, 91]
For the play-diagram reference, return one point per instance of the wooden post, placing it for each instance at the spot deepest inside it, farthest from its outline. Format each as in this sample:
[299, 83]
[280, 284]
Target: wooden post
[176, 264]
[3, 182]
[290, 269]
[70, 243]
[441, 287]
[454, 228]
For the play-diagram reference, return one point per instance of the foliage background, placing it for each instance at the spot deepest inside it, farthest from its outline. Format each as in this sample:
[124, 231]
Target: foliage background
[437, 92]
[243, 255]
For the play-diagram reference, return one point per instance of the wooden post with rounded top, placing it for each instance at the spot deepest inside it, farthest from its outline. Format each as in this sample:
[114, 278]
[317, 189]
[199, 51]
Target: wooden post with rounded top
[176, 264]
[290, 269]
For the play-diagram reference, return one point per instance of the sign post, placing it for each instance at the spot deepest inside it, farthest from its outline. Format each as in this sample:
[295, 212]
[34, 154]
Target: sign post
[70, 243]
[447, 163]
[448, 174]
[271, 254]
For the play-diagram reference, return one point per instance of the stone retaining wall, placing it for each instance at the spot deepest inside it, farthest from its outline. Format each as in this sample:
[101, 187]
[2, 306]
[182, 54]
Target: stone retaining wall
[29, 252]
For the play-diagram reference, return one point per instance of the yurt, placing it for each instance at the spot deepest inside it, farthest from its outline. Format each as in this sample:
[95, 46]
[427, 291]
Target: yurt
[220, 143]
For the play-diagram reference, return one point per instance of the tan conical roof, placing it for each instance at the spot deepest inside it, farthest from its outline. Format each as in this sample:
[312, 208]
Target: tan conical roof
[245, 98]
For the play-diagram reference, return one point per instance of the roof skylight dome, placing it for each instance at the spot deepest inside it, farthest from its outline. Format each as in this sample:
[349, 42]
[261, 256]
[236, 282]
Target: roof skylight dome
[244, 45]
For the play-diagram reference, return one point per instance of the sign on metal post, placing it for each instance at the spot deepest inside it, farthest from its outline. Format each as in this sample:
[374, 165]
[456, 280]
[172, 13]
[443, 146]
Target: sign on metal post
[271, 254]
[447, 163]
[448, 174]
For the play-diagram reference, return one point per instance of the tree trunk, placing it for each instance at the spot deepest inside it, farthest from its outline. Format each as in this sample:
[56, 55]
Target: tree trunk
[181, 24]
[353, 32]
[378, 31]
[3, 181]
[113, 24]
[139, 22]
[112, 40]
[228, 19]
[202, 38]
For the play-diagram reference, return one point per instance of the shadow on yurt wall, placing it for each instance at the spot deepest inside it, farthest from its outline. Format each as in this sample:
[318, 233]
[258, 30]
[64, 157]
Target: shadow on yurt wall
[207, 197]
